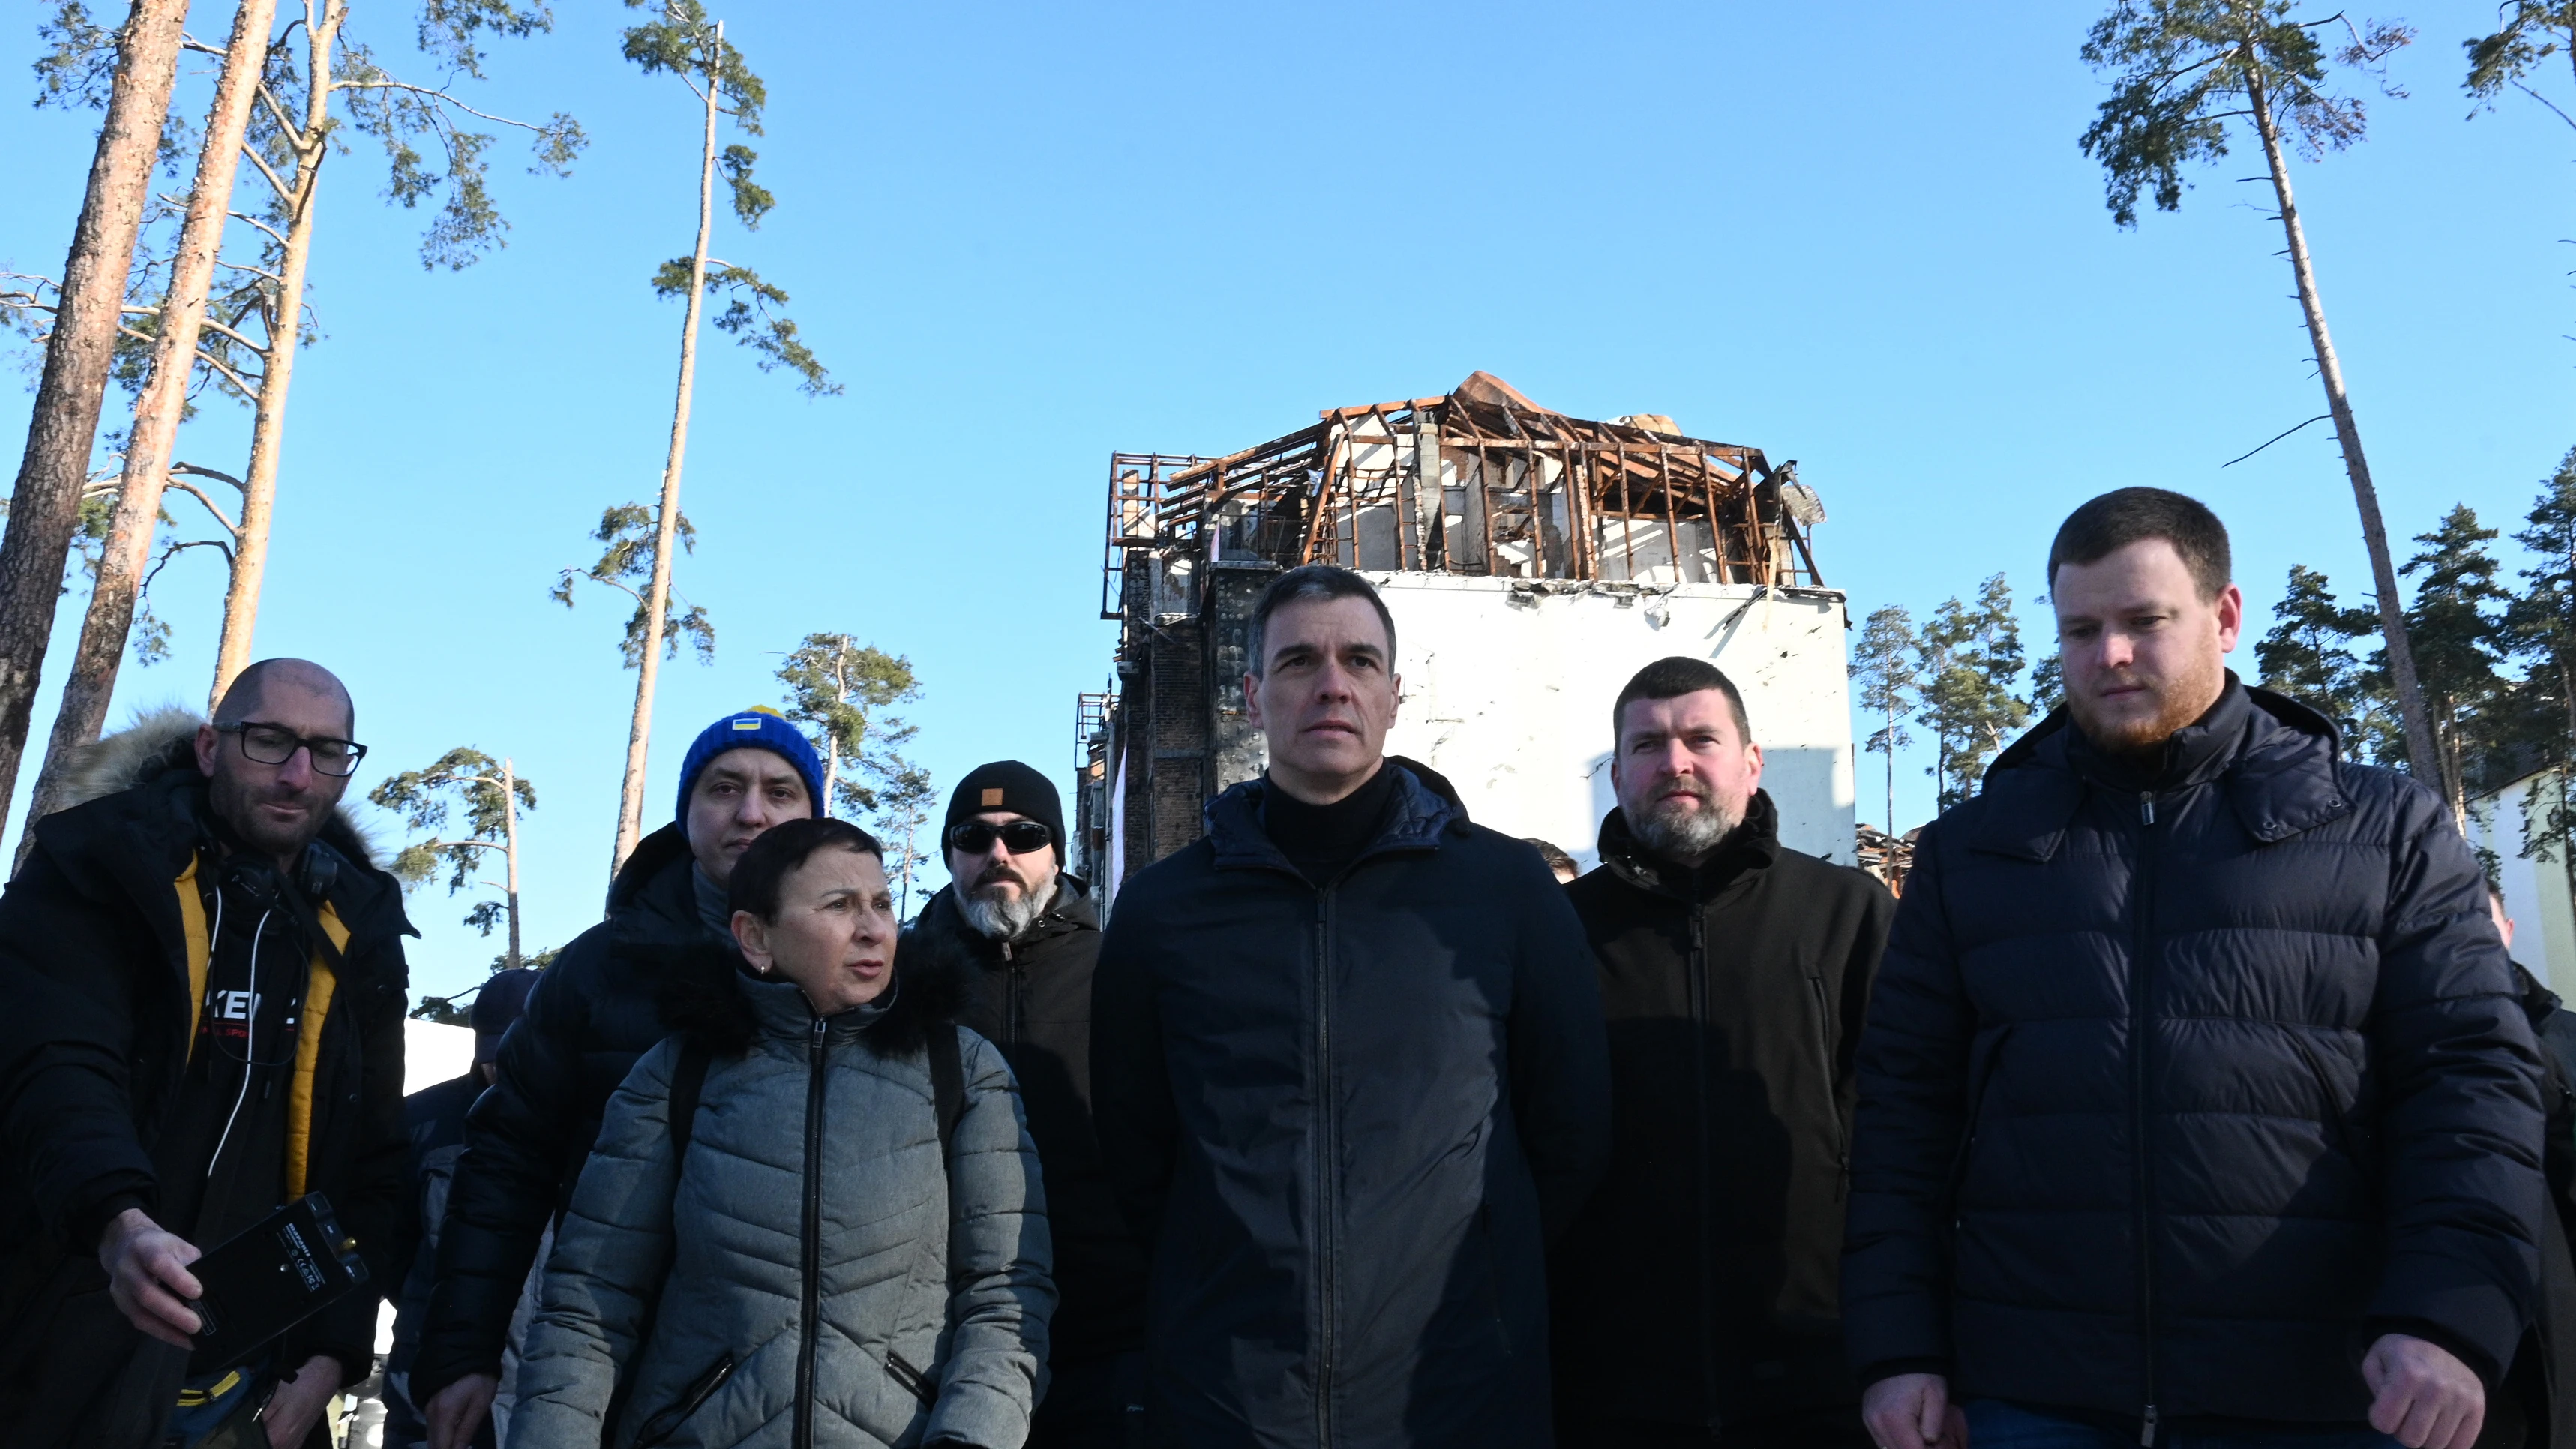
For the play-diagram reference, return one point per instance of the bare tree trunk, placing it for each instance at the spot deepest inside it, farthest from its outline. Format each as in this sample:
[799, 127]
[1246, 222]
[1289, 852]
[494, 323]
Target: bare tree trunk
[657, 597]
[277, 373]
[2421, 758]
[92, 681]
[510, 853]
[45, 506]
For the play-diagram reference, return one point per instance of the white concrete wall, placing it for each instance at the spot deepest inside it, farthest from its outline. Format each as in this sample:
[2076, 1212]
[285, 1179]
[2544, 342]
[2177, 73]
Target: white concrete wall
[434, 1053]
[2536, 893]
[1508, 691]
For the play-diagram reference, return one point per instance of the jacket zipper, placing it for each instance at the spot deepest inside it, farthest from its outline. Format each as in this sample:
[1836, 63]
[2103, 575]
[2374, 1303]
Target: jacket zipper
[1328, 1157]
[1701, 1244]
[816, 1056]
[1012, 1006]
[1825, 1056]
[2144, 905]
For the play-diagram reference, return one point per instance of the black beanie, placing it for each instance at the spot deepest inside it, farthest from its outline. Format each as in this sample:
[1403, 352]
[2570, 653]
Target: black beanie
[1007, 785]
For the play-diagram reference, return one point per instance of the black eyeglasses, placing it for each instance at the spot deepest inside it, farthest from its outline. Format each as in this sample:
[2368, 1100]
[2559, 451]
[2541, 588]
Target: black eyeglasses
[269, 744]
[1020, 837]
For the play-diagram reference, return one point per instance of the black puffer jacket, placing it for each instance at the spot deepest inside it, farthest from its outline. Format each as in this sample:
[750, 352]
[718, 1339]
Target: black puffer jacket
[1698, 1287]
[2180, 1086]
[1032, 998]
[100, 963]
[1348, 1119]
[593, 1012]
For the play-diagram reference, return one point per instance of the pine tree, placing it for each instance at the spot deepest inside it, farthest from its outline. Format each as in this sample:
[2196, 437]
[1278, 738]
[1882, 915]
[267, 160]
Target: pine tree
[1883, 665]
[2457, 623]
[493, 793]
[2186, 70]
[836, 688]
[80, 340]
[2541, 632]
[2528, 32]
[1971, 659]
[2308, 654]
[683, 41]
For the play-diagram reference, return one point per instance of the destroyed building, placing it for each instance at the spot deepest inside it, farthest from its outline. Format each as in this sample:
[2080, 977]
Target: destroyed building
[1532, 562]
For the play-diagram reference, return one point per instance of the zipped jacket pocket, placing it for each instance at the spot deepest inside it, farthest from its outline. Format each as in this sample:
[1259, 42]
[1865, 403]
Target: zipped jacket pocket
[1981, 1072]
[914, 1381]
[663, 1425]
[1832, 1098]
[2330, 1103]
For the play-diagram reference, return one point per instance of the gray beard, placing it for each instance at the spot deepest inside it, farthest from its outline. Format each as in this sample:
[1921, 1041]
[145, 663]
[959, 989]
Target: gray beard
[1008, 920]
[1682, 834]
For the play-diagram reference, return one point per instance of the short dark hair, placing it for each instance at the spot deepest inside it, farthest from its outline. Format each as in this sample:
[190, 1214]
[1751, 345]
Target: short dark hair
[1311, 583]
[2124, 516]
[1548, 851]
[1671, 678]
[783, 847]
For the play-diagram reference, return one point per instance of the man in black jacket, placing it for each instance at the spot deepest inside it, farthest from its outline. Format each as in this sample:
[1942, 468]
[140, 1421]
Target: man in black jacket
[2195, 1095]
[1695, 1297]
[1349, 1066]
[593, 1012]
[1010, 908]
[434, 1117]
[205, 984]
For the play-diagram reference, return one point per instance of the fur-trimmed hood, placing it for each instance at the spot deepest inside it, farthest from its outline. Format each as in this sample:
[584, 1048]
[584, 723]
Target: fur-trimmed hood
[930, 984]
[163, 740]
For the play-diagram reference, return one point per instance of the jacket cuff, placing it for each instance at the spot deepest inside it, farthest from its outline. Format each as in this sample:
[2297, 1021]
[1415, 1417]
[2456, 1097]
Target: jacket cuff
[1890, 1368]
[83, 1227]
[2474, 1318]
[2480, 1362]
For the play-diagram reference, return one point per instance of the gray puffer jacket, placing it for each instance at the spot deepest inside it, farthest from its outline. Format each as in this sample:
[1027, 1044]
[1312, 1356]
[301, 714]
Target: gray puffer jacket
[827, 1284]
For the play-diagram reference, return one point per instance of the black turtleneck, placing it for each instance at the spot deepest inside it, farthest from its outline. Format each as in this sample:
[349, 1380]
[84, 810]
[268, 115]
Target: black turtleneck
[1322, 840]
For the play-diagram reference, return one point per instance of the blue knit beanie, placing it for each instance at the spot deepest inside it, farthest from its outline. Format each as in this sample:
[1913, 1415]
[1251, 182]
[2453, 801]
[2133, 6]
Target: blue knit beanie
[753, 729]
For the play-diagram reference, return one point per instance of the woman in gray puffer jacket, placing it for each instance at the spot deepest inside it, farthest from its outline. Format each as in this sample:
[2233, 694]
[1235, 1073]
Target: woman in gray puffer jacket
[801, 1272]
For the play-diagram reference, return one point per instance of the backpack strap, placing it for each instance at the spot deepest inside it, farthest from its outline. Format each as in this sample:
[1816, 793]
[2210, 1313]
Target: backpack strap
[947, 1085]
[687, 1081]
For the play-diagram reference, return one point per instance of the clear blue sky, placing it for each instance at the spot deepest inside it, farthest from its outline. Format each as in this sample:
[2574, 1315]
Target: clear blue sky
[1026, 235]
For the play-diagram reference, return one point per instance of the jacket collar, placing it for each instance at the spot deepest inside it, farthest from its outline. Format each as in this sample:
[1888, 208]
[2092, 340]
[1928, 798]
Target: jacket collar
[780, 1010]
[135, 842]
[2276, 759]
[1753, 846]
[1234, 824]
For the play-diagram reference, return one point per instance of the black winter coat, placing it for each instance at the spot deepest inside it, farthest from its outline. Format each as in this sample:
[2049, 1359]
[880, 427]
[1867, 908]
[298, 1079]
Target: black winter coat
[1348, 1120]
[96, 934]
[1698, 1287]
[2180, 1087]
[1032, 998]
[591, 1014]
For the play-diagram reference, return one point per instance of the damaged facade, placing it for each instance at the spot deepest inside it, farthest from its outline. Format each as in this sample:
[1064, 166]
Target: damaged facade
[1532, 562]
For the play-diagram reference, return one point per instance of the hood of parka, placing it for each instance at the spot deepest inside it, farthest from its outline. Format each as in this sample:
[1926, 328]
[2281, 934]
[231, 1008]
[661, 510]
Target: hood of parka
[1752, 845]
[161, 742]
[135, 811]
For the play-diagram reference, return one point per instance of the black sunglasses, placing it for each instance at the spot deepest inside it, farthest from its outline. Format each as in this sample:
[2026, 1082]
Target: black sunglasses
[1020, 837]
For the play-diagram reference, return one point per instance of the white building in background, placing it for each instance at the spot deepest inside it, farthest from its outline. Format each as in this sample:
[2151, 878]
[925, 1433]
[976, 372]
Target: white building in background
[2539, 893]
[1532, 562]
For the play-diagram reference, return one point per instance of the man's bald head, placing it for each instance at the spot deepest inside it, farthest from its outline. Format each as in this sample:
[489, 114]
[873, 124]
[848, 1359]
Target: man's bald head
[249, 690]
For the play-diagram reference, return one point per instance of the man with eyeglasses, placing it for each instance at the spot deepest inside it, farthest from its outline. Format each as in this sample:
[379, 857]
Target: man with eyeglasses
[593, 1012]
[1011, 909]
[204, 987]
